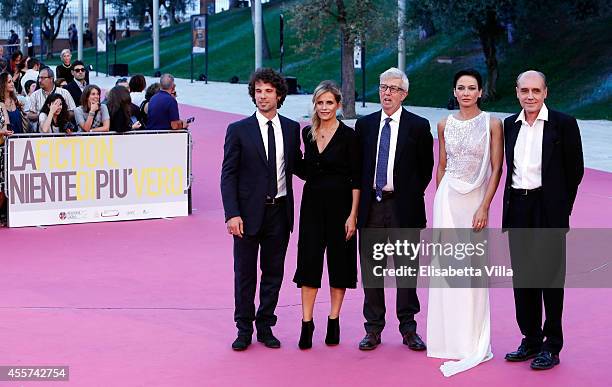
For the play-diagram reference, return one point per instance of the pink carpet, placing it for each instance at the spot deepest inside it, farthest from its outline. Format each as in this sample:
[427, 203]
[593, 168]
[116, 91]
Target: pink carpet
[150, 303]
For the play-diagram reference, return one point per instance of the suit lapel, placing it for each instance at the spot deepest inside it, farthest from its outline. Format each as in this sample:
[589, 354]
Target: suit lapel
[375, 125]
[255, 133]
[402, 135]
[512, 137]
[549, 136]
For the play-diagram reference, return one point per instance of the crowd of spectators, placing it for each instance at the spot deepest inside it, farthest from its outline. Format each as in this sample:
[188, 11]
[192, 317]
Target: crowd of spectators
[36, 99]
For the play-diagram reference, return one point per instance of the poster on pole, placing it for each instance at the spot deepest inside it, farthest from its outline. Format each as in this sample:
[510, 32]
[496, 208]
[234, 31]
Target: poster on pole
[198, 33]
[357, 54]
[101, 35]
[54, 179]
[37, 32]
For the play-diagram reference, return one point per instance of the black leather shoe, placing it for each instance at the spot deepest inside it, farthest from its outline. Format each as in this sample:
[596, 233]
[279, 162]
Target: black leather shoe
[414, 341]
[370, 341]
[306, 334]
[522, 353]
[333, 331]
[268, 340]
[241, 343]
[545, 361]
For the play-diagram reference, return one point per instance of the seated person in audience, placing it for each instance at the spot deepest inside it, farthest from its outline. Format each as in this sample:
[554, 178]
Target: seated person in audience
[47, 88]
[163, 113]
[54, 116]
[144, 106]
[76, 87]
[119, 108]
[92, 116]
[123, 82]
[31, 73]
[28, 89]
[137, 86]
[64, 69]
[120, 82]
[61, 82]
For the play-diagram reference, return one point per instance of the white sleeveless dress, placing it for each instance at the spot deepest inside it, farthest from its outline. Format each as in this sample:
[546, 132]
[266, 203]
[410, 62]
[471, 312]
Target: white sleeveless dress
[458, 319]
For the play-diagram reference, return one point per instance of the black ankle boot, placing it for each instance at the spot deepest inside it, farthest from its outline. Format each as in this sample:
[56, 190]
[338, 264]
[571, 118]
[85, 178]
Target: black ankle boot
[306, 335]
[333, 331]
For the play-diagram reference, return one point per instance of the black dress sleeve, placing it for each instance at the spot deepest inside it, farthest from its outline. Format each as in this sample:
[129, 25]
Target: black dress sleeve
[354, 150]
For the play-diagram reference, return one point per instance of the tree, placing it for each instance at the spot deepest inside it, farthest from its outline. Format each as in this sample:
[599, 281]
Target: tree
[20, 11]
[483, 18]
[24, 11]
[139, 9]
[488, 20]
[52, 14]
[314, 21]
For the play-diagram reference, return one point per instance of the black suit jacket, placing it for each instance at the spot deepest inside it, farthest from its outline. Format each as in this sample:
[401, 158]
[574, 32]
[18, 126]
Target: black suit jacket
[244, 174]
[75, 92]
[412, 170]
[562, 166]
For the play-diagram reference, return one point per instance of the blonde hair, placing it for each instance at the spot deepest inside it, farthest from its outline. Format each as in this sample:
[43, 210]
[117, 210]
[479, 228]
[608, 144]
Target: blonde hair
[324, 87]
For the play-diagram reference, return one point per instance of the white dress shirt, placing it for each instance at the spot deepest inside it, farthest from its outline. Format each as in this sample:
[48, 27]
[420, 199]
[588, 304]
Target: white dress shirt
[30, 75]
[527, 171]
[38, 98]
[394, 124]
[280, 154]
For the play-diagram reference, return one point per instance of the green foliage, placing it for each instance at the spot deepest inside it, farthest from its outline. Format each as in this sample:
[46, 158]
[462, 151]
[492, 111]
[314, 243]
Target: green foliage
[138, 9]
[574, 58]
[20, 11]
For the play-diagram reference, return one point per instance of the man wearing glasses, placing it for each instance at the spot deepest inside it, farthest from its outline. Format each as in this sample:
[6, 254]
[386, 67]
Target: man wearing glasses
[397, 148]
[76, 87]
[46, 79]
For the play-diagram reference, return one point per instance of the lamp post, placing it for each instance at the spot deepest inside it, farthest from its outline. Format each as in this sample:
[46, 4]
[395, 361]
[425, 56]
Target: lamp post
[80, 32]
[155, 35]
[38, 23]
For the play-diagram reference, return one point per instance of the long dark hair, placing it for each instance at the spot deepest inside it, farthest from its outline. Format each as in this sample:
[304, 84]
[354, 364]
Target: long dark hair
[62, 118]
[118, 100]
[4, 77]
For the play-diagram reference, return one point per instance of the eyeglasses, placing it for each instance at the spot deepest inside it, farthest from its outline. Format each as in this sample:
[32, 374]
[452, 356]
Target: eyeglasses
[79, 70]
[392, 89]
[40, 77]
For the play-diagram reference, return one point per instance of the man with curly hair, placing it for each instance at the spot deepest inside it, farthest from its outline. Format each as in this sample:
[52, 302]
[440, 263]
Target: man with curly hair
[260, 155]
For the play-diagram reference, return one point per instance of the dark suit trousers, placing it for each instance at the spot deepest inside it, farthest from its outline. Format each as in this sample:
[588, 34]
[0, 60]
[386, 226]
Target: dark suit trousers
[383, 215]
[532, 259]
[272, 238]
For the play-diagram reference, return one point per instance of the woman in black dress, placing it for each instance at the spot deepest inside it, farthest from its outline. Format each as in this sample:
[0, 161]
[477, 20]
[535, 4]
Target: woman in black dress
[328, 215]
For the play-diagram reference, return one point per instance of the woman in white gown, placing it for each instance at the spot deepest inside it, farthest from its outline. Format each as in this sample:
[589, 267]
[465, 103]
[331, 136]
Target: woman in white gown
[469, 169]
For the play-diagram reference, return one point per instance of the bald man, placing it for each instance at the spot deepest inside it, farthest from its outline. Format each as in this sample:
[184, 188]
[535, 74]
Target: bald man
[545, 167]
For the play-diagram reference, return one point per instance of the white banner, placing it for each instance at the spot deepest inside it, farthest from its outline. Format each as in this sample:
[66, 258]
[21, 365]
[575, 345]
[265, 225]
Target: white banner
[57, 179]
[198, 34]
[357, 54]
[101, 35]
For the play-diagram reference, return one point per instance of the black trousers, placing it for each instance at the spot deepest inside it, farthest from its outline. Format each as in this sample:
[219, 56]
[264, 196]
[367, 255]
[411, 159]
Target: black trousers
[383, 215]
[538, 263]
[272, 239]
